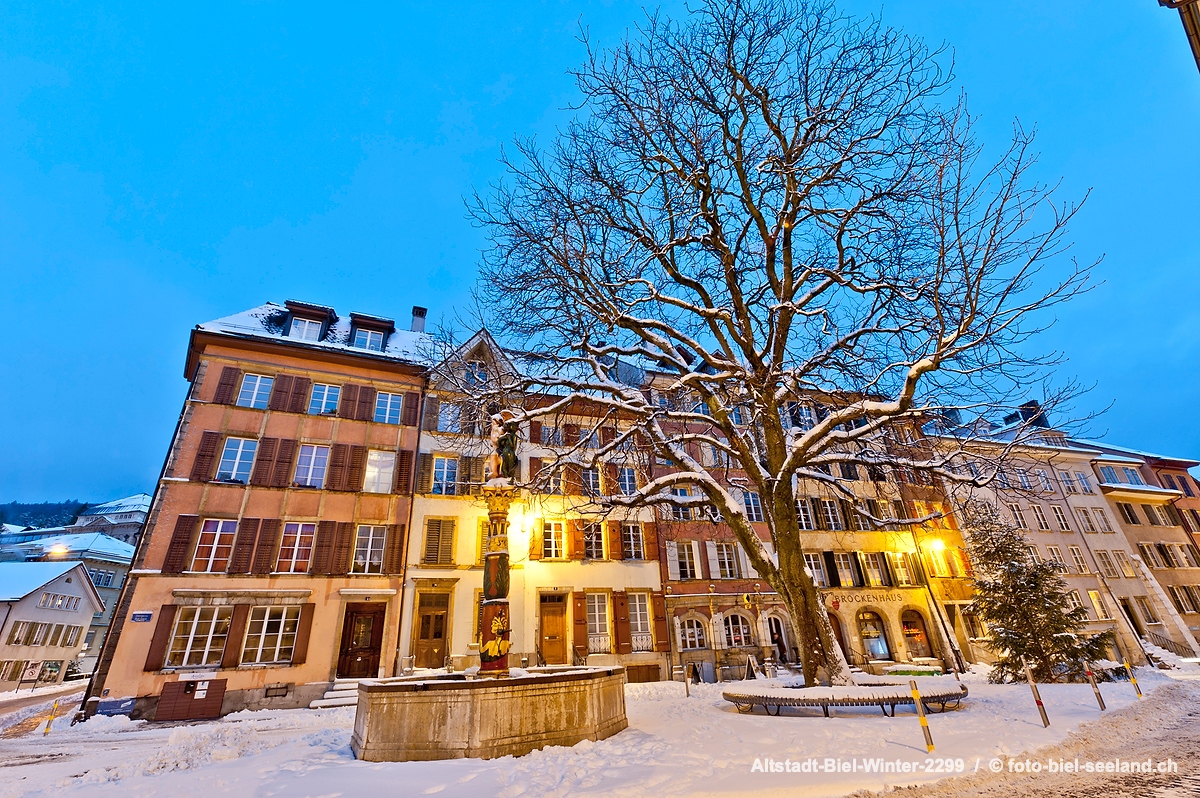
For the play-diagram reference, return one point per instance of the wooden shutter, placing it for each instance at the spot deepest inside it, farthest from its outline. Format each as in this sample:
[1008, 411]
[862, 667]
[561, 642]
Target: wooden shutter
[393, 553]
[616, 544]
[206, 454]
[658, 608]
[535, 433]
[267, 548]
[357, 469]
[535, 466]
[264, 461]
[856, 566]
[650, 540]
[446, 543]
[536, 546]
[232, 656]
[342, 547]
[323, 547]
[917, 568]
[156, 656]
[575, 540]
[714, 567]
[673, 560]
[335, 476]
[243, 546]
[285, 455]
[430, 420]
[470, 475]
[424, 473]
[819, 520]
[607, 435]
[570, 434]
[227, 386]
[298, 401]
[303, 633]
[433, 541]
[624, 637]
[579, 611]
[366, 403]
[348, 403]
[831, 569]
[180, 545]
[281, 392]
[402, 479]
[410, 411]
[610, 486]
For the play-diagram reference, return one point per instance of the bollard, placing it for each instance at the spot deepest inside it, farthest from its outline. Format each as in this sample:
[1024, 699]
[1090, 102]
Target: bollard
[1087, 668]
[1132, 678]
[49, 720]
[1036, 696]
[916, 694]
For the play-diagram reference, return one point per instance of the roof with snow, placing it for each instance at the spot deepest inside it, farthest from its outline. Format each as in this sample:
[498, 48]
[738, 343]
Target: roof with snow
[12, 529]
[271, 322]
[1137, 453]
[139, 502]
[93, 545]
[19, 579]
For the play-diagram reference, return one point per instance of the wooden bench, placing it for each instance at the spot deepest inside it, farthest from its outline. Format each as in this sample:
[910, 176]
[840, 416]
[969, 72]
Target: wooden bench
[746, 700]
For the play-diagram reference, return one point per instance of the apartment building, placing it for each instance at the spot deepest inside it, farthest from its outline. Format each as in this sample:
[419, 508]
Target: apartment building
[584, 584]
[272, 558]
[44, 609]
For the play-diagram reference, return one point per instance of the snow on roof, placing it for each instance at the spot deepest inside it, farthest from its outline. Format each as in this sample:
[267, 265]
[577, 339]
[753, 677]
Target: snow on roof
[95, 544]
[12, 529]
[269, 322]
[1127, 450]
[19, 579]
[139, 502]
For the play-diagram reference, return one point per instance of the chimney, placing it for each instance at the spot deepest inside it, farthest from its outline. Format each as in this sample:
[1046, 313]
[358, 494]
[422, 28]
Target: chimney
[418, 322]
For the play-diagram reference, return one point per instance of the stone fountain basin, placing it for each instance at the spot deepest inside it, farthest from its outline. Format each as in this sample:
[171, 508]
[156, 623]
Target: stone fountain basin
[454, 717]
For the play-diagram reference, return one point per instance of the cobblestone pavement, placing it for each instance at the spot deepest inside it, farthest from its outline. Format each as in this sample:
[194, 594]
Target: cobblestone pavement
[1151, 737]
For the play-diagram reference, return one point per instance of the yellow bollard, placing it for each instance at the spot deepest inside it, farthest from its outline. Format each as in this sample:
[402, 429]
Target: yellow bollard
[49, 720]
[1132, 678]
[916, 694]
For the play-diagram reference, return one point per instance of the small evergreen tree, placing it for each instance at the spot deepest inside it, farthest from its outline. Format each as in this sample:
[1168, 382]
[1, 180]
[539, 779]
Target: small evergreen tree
[1025, 604]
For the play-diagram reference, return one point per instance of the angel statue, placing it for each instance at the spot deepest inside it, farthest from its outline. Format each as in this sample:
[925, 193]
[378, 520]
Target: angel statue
[502, 462]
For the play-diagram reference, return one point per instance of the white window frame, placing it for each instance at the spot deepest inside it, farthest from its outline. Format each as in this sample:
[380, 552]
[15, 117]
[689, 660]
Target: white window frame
[1018, 515]
[1107, 567]
[223, 531]
[271, 635]
[597, 613]
[692, 634]
[370, 340]
[593, 541]
[323, 401]
[203, 631]
[693, 561]
[296, 548]
[388, 407]
[633, 542]
[305, 329]
[369, 542]
[1064, 523]
[743, 635]
[445, 476]
[726, 556]
[627, 481]
[753, 504]
[1124, 564]
[816, 569]
[255, 391]
[1085, 482]
[639, 613]
[237, 460]
[312, 465]
[1039, 515]
[589, 481]
[553, 540]
[380, 471]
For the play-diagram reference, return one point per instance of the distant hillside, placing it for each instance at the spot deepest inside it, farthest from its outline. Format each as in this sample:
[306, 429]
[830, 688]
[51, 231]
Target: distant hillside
[43, 514]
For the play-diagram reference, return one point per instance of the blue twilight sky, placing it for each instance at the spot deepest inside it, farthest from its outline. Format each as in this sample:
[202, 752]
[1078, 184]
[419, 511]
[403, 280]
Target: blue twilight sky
[164, 166]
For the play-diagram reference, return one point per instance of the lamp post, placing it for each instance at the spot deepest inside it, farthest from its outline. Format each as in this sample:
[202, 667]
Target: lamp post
[1189, 14]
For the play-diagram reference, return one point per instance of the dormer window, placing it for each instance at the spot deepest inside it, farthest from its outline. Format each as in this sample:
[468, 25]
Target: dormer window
[368, 339]
[306, 329]
[476, 374]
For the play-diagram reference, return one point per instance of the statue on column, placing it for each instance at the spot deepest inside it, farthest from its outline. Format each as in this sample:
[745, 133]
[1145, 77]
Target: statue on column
[498, 491]
[502, 462]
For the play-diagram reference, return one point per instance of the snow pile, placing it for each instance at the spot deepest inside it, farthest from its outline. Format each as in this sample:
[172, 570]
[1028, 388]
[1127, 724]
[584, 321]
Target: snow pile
[1170, 658]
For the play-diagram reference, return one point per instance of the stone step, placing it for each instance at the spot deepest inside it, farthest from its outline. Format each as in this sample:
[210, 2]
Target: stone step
[324, 703]
[341, 693]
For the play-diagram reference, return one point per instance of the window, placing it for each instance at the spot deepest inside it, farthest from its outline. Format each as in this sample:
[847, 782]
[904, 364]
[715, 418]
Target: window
[753, 505]
[1074, 600]
[551, 436]
[255, 392]
[306, 329]
[876, 571]
[1149, 555]
[639, 617]
[40, 633]
[199, 636]
[324, 399]
[1085, 483]
[1102, 519]
[833, 516]
[310, 466]
[449, 418]
[589, 479]
[1183, 602]
[1061, 517]
[214, 546]
[1023, 479]
[1186, 485]
[737, 631]
[271, 634]
[475, 374]
[1044, 479]
[1148, 612]
[295, 550]
[1085, 520]
[681, 513]
[1068, 482]
[439, 541]
[72, 637]
[552, 540]
[687, 561]
[1109, 475]
[1124, 564]
[845, 568]
[368, 339]
[1098, 603]
[1151, 514]
[445, 476]
[1106, 565]
[1034, 554]
[632, 543]
[804, 514]
[1018, 516]
[973, 469]
[902, 569]
[727, 561]
[1128, 513]
[593, 542]
[1077, 558]
[388, 406]
[19, 630]
[691, 634]
[1056, 557]
[1133, 476]
[627, 481]
[381, 468]
[1169, 556]
[597, 615]
[1040, 517]
[236, 460]
[816, 569]
[368, 550]
[103, 578]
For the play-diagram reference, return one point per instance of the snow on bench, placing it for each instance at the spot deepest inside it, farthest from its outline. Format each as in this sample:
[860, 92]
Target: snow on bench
[883, 694]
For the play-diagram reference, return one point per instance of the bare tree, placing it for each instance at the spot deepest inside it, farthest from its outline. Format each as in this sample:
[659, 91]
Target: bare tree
[766, 203]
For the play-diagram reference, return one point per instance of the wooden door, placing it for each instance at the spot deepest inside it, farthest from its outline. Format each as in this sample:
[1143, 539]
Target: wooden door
[191, 700]
[433, 613]
[554, 630]
[362, 641]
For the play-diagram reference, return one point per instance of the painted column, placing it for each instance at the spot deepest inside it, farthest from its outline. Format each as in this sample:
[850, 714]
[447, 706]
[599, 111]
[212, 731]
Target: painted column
[496, 628]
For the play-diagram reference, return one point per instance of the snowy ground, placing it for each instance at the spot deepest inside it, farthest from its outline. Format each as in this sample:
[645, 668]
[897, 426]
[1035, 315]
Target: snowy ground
[674, 746]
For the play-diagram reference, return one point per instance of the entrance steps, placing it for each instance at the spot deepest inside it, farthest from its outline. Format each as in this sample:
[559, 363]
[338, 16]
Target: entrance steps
[343, 693]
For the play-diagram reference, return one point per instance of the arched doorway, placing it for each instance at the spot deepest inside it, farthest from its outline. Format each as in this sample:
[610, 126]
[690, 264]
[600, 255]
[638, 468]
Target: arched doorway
[779, 637]
[838, 635]
[916, 637]
[870, 628]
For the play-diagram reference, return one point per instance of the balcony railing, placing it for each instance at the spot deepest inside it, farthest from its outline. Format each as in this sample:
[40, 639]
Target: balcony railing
[643, 642]
[599, 644]
[1169, 644]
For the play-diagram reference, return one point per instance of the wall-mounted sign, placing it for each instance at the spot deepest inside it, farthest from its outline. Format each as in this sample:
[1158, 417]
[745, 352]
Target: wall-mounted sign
[141, 616]
[866, 598]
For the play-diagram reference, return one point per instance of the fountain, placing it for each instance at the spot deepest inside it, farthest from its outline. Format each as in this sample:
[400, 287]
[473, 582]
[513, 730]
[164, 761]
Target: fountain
[497, 713]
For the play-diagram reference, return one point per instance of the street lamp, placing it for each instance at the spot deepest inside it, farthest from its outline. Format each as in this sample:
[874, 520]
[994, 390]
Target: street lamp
[1189, 14]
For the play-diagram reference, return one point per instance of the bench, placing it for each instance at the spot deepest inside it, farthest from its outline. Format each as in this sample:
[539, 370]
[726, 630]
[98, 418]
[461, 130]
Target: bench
[887, 698]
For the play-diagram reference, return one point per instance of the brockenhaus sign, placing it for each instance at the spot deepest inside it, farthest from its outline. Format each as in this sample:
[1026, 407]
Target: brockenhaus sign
[865, 598]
